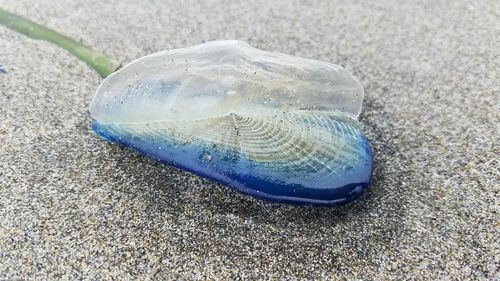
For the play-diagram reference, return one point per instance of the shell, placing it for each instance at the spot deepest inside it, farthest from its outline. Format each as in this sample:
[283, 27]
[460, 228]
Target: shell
[268, 124]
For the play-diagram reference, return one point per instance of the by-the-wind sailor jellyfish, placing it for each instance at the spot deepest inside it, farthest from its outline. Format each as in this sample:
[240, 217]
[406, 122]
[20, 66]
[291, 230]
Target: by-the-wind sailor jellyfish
[268, 124]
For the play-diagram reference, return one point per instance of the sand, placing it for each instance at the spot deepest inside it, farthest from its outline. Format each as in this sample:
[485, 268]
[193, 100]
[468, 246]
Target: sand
[76, 207]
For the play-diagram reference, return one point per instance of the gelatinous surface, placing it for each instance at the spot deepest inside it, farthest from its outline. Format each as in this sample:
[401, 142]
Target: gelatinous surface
[271, 125]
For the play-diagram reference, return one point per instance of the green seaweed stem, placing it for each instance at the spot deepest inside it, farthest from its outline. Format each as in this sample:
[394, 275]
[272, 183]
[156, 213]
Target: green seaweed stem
[103, 64]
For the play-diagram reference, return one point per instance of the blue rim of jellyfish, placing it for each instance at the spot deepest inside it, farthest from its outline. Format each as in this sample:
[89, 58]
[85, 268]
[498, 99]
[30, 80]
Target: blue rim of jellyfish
[192, 160]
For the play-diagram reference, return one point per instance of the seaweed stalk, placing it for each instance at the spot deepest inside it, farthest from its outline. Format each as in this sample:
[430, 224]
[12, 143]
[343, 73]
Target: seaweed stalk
[97, 60]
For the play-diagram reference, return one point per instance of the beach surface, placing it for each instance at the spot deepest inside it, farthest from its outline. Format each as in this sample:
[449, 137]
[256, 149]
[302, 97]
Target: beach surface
[74, 206]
